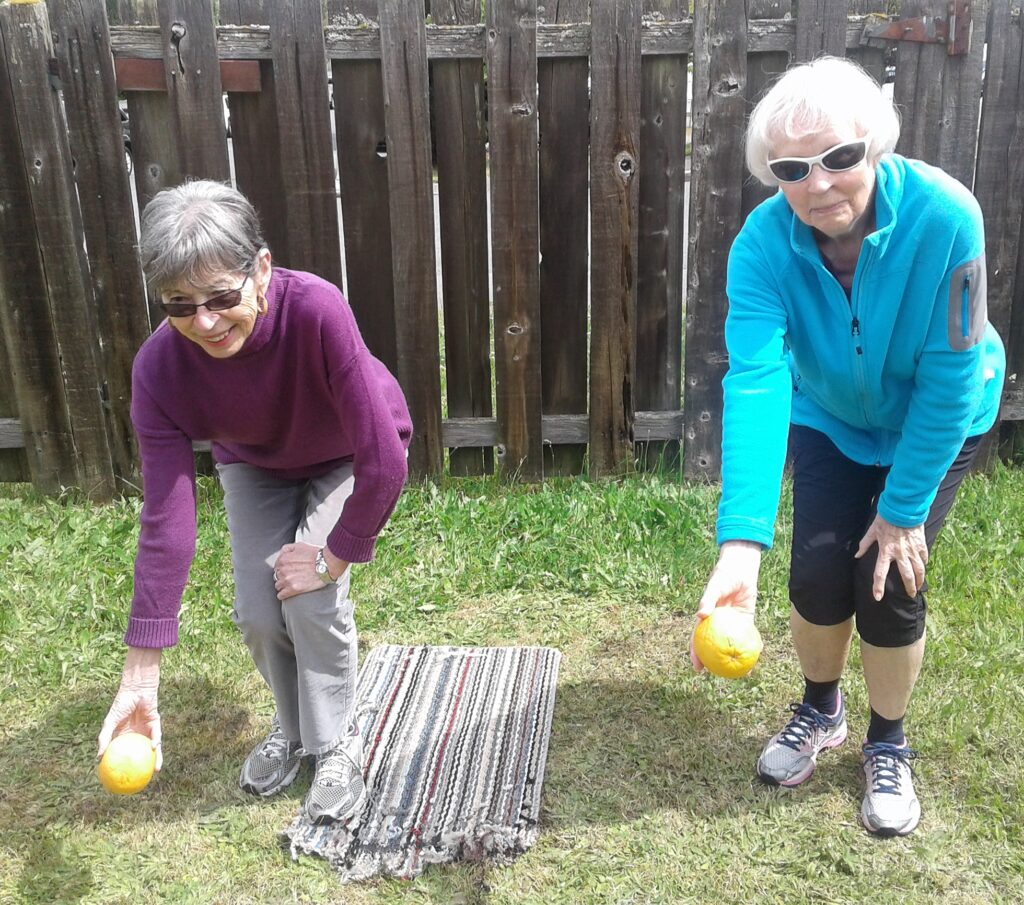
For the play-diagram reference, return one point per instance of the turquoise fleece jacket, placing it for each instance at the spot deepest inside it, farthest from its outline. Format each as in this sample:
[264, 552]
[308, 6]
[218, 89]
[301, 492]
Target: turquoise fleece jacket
[900, 373]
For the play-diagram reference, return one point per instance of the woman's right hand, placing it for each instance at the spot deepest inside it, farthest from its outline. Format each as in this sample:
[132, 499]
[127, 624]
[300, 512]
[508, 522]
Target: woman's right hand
[732, 583]
[135, 705]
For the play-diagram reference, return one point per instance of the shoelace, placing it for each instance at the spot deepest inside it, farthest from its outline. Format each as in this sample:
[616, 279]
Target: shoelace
[798, 730]
[885, 760]
[333, 768]
[275, 745]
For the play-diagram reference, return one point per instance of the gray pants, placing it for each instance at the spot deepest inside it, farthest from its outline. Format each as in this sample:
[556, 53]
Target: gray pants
[305, 647]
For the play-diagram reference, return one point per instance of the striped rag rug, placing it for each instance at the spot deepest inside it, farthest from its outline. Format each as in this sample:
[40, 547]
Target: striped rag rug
[455, 742]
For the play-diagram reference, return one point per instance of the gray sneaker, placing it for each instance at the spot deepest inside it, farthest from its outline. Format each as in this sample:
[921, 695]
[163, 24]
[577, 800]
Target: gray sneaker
[272, 765]
[790, 756]
[338, 791]
[890, 807]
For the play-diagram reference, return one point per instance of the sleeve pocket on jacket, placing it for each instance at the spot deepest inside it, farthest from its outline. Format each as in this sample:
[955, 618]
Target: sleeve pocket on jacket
[968, 304]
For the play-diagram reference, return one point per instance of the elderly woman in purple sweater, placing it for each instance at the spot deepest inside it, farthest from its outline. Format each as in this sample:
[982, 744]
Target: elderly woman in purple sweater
[309, 434]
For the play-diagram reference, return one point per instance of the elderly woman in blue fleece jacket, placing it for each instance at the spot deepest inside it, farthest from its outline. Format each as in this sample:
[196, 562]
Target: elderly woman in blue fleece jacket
[857, 330]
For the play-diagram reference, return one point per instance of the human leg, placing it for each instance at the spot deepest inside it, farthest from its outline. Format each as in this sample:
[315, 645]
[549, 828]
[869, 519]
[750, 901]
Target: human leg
[262, 514]
[892, 649]
[321, 626]
[831, 499]
[324, 632]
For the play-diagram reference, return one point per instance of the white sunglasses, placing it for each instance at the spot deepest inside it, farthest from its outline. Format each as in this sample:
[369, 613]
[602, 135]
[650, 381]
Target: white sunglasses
[837, 159]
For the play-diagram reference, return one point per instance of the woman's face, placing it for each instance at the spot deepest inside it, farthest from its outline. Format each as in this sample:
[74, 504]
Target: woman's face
[221, 333]
[833, 203]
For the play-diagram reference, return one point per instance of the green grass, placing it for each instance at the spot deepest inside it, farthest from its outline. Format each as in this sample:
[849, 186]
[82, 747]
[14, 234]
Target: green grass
[649, 794]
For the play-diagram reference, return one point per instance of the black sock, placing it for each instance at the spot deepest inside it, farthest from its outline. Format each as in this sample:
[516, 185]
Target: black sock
[822, 696]
[882, 730]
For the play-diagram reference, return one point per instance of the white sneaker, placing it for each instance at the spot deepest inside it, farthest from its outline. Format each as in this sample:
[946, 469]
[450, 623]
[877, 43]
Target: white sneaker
[890, 806]
[338, 791]
[790, 756]
[272, 765]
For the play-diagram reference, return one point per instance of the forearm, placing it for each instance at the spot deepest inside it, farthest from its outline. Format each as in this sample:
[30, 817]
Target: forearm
[142, 666]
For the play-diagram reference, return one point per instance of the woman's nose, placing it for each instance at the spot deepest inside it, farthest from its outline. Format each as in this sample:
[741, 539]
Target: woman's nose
[205, 319]
[819, 179]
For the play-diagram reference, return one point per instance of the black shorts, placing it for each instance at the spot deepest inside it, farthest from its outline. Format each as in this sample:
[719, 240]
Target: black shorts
[834, 503]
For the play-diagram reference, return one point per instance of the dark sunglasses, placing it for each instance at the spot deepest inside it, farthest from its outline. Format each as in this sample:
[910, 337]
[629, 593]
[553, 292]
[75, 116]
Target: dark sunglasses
[838, 159]
[220, 302]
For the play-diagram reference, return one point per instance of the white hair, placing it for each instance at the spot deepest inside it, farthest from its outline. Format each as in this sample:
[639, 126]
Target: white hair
[196, 231]
[826, 93]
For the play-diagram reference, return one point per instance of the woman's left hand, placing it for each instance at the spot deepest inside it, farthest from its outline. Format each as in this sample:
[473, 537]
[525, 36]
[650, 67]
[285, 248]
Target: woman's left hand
[295, 569]
[904, 546]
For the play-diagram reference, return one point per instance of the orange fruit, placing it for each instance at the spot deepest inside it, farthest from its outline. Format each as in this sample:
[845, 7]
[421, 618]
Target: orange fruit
[128, 764]
[727, 642]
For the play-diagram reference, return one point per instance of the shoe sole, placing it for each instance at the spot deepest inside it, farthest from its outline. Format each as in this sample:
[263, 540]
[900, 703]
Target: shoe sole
[280, 787]
[323, 819]
[888, 832]
[801, 778]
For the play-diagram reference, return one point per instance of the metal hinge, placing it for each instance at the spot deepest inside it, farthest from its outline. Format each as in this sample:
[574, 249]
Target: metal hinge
[954, 31]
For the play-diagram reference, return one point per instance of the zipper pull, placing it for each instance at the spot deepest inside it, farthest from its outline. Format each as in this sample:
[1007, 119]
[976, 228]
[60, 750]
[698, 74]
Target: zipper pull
[855, 331]
[965, 307]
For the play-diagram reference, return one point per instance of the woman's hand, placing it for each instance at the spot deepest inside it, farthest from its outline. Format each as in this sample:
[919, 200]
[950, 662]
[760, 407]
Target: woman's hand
[904, 546]
[733, 583]
[295, 569]
[135, 704]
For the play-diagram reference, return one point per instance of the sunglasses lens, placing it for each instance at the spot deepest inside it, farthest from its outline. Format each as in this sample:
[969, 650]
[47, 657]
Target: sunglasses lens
[225, 301]
[845, 157]
[217, 303]
[789, 170]
[178, 309]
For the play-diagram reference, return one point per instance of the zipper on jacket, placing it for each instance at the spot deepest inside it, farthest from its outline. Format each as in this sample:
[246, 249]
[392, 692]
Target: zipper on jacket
[965, 307]
[863, 266]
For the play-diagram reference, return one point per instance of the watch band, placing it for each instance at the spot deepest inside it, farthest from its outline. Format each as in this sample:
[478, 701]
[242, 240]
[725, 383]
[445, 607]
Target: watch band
[321, 568]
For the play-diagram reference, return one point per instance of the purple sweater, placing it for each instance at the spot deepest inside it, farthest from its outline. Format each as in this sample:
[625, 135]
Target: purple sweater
[301, 396]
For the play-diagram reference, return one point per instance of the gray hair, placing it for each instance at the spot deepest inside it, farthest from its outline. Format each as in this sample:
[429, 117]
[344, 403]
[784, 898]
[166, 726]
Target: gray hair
[197, 231]
[816, 96]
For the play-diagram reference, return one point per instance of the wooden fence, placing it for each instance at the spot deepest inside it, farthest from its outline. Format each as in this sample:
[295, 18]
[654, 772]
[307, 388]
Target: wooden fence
[562, 149]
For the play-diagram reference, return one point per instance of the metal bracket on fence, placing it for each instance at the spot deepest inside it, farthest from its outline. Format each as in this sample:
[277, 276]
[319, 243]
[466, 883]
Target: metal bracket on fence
[954, 31]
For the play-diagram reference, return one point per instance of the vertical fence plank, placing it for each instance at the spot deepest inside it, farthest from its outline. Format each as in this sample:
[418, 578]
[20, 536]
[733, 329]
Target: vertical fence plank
[719, 75]
[155, 148]
[31, 388]
[820, 29]
[999, 187]
[50, 331]
[363, 170]
[193, 87]
[614, 215]
[82, 44]
[762, 70]
[515, 239]
[256, 139]
[871, 58]
[13, 462]
[659, 295]
[403, 41]
[460, 136]
[563, 105]
[304, 132]
[939, 95]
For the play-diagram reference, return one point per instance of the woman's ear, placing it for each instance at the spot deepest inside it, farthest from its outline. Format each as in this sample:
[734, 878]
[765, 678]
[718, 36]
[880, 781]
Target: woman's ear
[263, 270]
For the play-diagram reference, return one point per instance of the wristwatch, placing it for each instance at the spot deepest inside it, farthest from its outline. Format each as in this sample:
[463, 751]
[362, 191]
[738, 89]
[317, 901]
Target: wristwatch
[321, 568]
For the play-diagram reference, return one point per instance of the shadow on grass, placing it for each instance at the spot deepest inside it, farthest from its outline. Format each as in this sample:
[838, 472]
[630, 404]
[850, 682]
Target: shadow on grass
[48, 783]
[624, 748]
